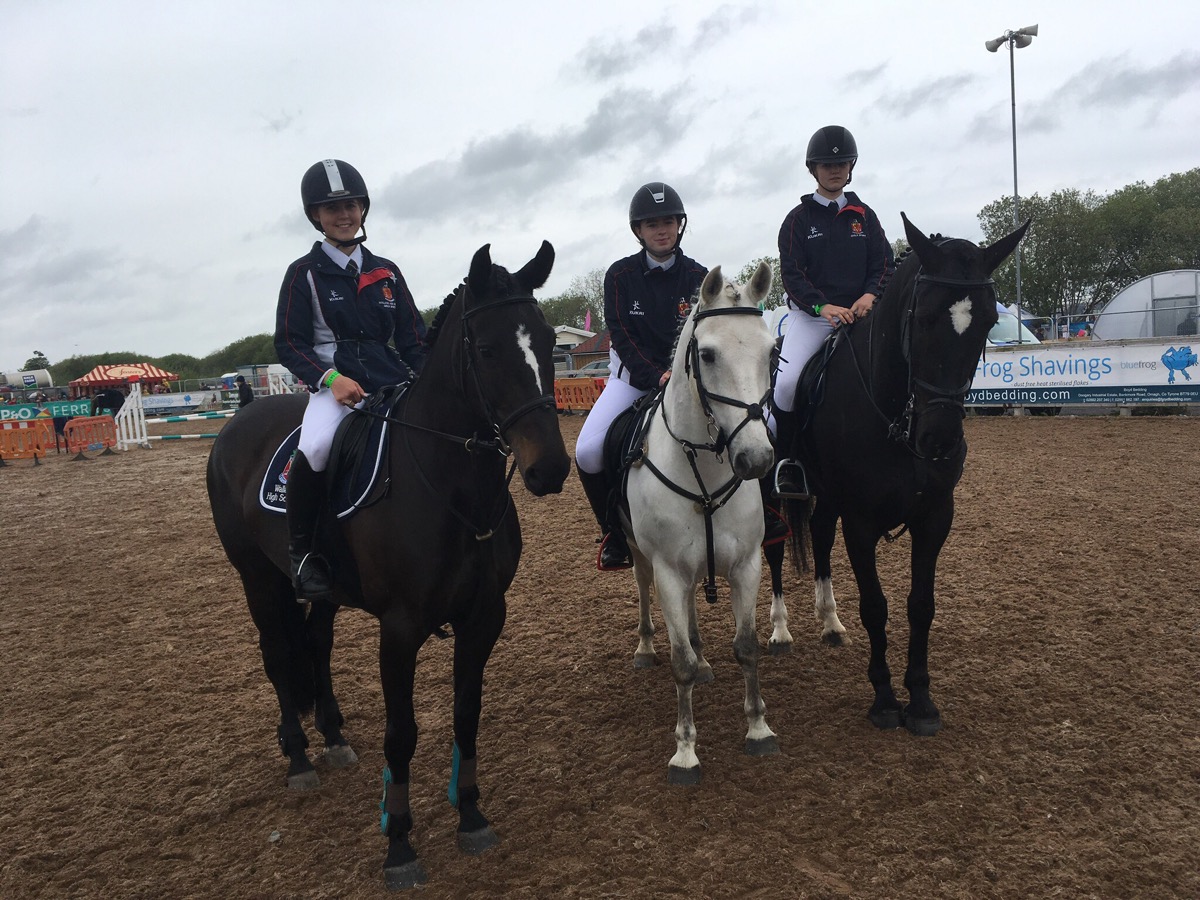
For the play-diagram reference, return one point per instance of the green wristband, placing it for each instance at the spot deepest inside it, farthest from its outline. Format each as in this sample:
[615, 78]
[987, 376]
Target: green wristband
[817, 309]
[330, 377]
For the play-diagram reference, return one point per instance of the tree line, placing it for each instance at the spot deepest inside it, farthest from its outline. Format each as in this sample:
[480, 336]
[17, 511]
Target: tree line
[1081, 249]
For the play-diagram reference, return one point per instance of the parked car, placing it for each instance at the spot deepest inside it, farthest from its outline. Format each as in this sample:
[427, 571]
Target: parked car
[597, 368]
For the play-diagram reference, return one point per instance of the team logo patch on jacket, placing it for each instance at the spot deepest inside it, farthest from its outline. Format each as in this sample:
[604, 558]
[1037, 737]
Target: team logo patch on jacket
[856, 228]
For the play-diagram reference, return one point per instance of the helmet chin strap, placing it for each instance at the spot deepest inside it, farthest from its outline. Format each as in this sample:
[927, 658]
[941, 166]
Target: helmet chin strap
[352, 242]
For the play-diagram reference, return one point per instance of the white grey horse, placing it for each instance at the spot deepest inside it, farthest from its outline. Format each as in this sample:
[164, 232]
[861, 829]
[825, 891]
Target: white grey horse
[694, 509]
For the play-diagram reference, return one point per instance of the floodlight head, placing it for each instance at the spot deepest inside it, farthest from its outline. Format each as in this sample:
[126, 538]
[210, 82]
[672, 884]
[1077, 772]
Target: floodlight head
[994, 44]
[1030, 30]
[1021, 40]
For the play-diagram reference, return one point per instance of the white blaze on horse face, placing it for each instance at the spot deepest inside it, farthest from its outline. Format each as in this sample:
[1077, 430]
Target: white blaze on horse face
[960, 315]
[525, 342]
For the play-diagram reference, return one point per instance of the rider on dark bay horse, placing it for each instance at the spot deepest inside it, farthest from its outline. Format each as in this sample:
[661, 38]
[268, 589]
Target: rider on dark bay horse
[339, 307]
[834, 259]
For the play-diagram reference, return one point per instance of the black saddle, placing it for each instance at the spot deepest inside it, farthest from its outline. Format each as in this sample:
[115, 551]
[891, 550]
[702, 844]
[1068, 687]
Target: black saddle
[624, 443]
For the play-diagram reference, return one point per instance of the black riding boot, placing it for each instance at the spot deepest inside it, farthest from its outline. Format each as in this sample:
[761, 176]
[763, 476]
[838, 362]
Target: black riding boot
[614, 551]
[775, 528]
[305, 499]
[789, 473]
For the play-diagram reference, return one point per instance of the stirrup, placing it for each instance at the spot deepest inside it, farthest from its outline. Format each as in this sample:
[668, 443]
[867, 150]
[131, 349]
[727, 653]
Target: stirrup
[615, 562]
[790, 481]
[317, 576]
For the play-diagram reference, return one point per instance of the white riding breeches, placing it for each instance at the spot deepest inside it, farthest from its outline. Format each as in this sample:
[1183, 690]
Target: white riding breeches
[321, 419]
[616, 397]
[802, 339]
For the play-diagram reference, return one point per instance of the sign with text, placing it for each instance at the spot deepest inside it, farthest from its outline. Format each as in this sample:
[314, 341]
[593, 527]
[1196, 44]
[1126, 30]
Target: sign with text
[1149, 371]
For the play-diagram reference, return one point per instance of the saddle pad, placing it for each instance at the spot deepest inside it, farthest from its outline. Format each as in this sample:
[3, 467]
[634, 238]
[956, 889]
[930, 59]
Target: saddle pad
[353, 476]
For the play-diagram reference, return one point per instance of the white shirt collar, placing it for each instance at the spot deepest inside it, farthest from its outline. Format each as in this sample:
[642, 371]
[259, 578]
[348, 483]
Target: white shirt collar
[341, 258]
[653, 263]
[836, 204]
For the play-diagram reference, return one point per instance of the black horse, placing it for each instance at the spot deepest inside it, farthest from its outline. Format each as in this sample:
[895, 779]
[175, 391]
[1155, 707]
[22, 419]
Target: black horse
[441, 546]
[884, 445]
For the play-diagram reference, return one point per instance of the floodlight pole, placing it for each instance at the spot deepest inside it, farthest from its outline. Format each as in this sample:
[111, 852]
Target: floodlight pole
[1014, 39]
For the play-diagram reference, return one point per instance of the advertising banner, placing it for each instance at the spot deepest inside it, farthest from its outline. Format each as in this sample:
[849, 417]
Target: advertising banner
[1155, 370]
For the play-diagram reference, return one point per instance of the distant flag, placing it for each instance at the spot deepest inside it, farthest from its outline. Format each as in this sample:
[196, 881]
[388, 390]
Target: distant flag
[587, 321]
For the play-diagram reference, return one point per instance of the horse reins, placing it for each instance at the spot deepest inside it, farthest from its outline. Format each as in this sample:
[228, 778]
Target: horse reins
[708, 502]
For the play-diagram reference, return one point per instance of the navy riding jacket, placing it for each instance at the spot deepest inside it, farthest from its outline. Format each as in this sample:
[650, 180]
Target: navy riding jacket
[328, 319]
[643, 308]
[828, 257]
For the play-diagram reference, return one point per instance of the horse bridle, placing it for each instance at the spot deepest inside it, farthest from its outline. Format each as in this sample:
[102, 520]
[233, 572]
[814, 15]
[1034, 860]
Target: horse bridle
[691, 364]
[474, 443]
[900, 428]
[709, 502]
[499, 426]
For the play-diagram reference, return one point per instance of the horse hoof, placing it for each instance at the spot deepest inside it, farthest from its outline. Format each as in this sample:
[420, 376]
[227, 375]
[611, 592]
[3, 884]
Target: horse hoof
[398, 878]
[341, 756]
[644, 660]
[767, 746]
[680, 775]
[927, 727]
[834, 639]
[885, 719]
[304, 781]
[777, 648]
[475, 842]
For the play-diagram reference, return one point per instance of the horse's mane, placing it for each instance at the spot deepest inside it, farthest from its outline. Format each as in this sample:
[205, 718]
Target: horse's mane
[435, 328]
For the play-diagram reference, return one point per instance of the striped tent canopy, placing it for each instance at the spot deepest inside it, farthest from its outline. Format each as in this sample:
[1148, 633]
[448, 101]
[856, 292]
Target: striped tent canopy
[115, 376]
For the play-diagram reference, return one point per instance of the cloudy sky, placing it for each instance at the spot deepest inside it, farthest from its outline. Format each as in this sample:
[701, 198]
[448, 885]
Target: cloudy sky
[152, 152]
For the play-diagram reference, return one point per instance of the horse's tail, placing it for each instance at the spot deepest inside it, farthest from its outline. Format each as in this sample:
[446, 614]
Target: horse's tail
[797, 513]
[301, 673]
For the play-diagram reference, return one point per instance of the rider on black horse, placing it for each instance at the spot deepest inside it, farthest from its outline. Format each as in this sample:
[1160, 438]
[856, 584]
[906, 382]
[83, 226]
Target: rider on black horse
[834, 259]
[339, 307]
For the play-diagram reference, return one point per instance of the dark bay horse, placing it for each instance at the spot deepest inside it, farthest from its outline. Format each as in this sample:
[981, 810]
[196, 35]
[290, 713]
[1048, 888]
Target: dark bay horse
[884, 446]
[441, 546]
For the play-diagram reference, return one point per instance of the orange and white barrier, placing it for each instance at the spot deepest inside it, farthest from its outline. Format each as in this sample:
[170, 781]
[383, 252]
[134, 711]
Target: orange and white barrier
[25, 439]
[572, 394]
[90, 433]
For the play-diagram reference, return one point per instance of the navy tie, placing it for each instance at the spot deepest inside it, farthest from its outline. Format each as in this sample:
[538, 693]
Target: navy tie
[352, 269]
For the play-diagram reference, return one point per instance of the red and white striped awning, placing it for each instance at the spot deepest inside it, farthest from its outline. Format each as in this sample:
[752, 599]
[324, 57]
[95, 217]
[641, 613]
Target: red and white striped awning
[113, 376]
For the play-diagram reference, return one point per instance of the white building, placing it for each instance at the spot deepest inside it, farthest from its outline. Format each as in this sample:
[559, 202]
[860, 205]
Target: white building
[1155, 306]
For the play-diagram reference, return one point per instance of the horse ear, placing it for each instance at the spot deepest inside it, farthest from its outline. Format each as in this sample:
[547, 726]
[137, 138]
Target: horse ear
[711, 287]
[760, 283]
[999, 251]
[480, 275]
[922, 245]
[537, 270]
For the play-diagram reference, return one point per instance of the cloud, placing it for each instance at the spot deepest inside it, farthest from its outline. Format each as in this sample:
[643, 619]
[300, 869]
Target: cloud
[606, 58]
[279, 123]
[863, 77]
[724, 21]
[931, 95]
[520, 166]
[1115, 84]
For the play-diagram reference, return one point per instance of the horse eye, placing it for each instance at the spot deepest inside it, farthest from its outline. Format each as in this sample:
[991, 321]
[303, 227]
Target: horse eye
[486, 351]
[707, 355]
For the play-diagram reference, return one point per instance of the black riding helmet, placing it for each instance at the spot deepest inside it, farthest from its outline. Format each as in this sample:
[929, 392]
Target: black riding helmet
[330, 180]
[831, 144]
[656, 200]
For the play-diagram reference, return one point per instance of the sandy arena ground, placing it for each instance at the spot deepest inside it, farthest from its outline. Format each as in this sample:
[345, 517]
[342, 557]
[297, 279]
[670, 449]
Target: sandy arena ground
[139, 755]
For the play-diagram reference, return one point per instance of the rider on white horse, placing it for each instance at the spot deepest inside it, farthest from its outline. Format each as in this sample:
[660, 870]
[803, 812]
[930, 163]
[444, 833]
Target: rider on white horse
[647, 296]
